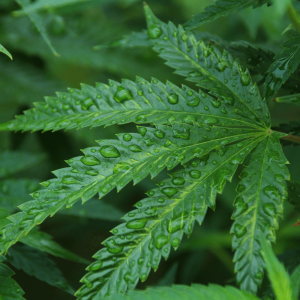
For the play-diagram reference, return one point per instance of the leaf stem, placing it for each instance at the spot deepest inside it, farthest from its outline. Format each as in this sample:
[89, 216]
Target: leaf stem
[291, 138]
[293, 16]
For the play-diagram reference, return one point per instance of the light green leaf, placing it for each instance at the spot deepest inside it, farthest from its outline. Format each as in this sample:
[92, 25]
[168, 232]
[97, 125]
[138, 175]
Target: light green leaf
[210, 69]
[179, 292]
[38, 23]
[12, 162]
[295, 283]
[43, 242]
[37, 264]
[279, 278]
[9, 289]
[259, 203]
[3, 50]
[121, 103]
[160, 221]
[220, 9]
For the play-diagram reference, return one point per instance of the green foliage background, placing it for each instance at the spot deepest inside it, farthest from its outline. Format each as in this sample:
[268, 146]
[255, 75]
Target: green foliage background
[205, 256]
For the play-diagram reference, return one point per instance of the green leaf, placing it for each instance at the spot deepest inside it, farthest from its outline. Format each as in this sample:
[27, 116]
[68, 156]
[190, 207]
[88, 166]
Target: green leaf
[3, 50]
[160, 221]
[12, 162]
[279, 278]
[220, 9]
[9, 289]
[286, 62]
[45, 4]
[209, 69]
[120, 103]
[294, 194]
[38, 23]
[94, 209]
[43, 242]
[179, 292]
[258, 205]
[115, 163]
[37, 264]
[290, 99]
[295, 283]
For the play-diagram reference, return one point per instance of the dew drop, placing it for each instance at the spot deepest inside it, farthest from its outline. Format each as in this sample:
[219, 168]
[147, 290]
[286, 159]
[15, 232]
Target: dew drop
[121, 168]
[195, 174]
[113, 248]
[211, 121]
[160, 241]
[46, 183]
[175, 242]
[127, 137]
[189, 120]
[239, 230]
[142, 130]
[90, 160]
[245, 79]
[122, 94]
[173, 98]
[240, 206]
[95, 266]
[92, 172]
[269, 209]
[109, 151]
[154, 31]
[215, 103]
[159, 134]
[69, 180]
[87, 104]
[136, 224]
[194, 102]
[178, 181]
[135, 148]
[169, 191]
[259, 275]
[143, 277]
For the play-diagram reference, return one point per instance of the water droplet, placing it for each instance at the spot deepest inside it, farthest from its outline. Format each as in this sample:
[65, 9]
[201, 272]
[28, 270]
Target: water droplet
[142, 130]
[239, 230]
[175, 242]
[69, 180]
[95, 266]
[87, 104]
[215, 103]
[189, 119]
[189, 93]
[127, 137]
[169, 191]
[173, 98]
[90, 160]
[245, 79]
[135, 148]
[178, 180]
[46, 183]
[66, 107]
[109, 151]
[113, 248]
[141, 119]
[92, 172]
[160, 241]
[229, 100]
[136, 224]
[159, 134]
[154, 31]
[269, 209]
[240, 206]
[279, 178]
[177, 223]
[184, 37]
[259, 275]
[195, 174]
[272, 191]
[194, 102]
[211, 121]
[143, 277]
[122, 94]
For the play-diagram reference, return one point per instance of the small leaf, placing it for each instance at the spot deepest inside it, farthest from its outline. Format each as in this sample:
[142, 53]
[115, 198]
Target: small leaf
[279, 278]
[37, 264]
[3, 50]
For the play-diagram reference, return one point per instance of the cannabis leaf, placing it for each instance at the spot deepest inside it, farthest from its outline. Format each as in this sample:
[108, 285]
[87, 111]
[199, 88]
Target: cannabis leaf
[259, 203]
[178, 292]
[3, 50]
[209, 69]
[159, 222]
[37, 264]
[139, 102]
[221, 8]
[9, 289]
[38, 23]
[286, 62]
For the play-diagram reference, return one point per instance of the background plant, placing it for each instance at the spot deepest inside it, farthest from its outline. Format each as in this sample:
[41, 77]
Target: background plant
[51, 44]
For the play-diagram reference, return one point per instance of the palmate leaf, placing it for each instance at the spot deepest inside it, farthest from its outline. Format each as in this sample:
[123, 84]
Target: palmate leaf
[120, 103]
[258, 205]
[3, 50]
[208, 68]
[221, 8]
[277, 274]
[37, 264]
[286, 62]
[160, 221]
[36, 19]
[114, 164]
[9, 289]
[12, 162]
[179, 292]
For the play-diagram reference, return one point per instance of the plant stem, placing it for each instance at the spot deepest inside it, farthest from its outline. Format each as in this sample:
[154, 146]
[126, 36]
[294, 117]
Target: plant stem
[291, 138]
[293, 16]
